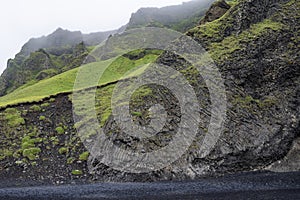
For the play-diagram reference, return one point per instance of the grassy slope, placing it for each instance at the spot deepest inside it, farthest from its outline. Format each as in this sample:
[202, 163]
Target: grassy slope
[64, 82]
[220, 47]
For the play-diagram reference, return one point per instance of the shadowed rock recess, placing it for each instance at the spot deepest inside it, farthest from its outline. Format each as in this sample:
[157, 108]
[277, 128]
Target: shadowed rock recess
[255, 45]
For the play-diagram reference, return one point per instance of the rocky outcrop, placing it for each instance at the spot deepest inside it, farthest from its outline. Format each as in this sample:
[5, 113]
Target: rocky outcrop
[62, 38]
[290, 162]
[58, 38]
[262, 81]
[217, 10]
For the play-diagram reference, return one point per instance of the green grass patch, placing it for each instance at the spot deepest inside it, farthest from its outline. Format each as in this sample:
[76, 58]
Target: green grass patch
[65, 82]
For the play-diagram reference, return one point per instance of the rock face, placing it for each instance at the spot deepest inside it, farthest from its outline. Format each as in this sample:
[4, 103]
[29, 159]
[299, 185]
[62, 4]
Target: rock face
[61, 38]
[58, 38]
[217, 10]
[290, 162]
[256, 49]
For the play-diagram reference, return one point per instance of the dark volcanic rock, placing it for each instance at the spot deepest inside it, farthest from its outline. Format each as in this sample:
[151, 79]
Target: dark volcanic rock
[217, 10]
[257, 56]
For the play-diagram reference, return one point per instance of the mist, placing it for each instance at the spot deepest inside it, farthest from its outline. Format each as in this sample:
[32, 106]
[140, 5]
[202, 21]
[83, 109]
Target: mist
[22, 20]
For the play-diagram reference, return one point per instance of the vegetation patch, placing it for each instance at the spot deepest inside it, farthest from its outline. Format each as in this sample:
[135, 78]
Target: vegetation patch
[44, 105]
[70, 160]
[60, 130]
[224, 49]
[36, 108]
[13, 117]
[5, 153]
[42, 118]
[249, 102]
[32, 153]
[77, 172]
[64, 82]
[63, 150]
[84, 156]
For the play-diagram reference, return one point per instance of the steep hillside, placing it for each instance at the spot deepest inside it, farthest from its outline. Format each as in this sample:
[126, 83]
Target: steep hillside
[64, 82]
[255, 46]
[180, 17]
[44, 57]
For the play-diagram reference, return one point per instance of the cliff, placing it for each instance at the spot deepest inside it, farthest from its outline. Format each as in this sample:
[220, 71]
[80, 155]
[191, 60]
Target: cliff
[255, 46]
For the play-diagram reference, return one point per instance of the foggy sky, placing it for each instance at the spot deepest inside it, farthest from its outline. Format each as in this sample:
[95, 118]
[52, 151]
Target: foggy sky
[21, 20]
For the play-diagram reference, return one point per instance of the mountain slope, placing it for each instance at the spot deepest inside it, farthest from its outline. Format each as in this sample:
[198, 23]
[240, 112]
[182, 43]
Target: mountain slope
[44, 57]
[180, 17]
[64, 82]
[256, 48]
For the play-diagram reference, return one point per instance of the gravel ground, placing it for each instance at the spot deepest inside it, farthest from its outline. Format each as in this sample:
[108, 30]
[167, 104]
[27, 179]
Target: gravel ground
[265, 185]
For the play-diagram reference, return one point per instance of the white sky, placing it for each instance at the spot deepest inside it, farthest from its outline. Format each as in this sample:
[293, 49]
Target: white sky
[21, 20]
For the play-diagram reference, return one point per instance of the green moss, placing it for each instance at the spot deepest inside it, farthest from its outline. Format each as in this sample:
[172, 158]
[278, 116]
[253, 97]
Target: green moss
[32, 153]
[70, 160]
[268, 102]
[214, 30]
[36, 108]
[63, 150]
[77, 172]
[27, 142]
[142, 92]
[60, 130]
[138, 114]
[33, 133]
[223, 50]
[5, 154]
[13, 117]
[45, 105]
[54, 140]
[18, 153]
[262, 27]
[28, 148]
[250, 103]
[52, 100]
[84, 156]
[232, 2]
[27, 145]
[2, 157]
[42, 118]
